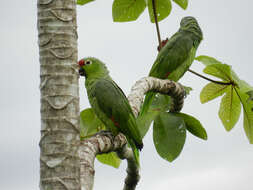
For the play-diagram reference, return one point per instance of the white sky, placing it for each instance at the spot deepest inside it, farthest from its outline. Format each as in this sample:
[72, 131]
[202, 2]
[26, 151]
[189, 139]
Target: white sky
[129, 49]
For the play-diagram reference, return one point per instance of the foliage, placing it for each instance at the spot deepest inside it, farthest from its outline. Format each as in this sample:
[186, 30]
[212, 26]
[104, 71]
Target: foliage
[89, 125]
[169, 133]
[83, 2]
[237, 93]
[130, 10]
[193, 125]
[163, 9]
[110, 159]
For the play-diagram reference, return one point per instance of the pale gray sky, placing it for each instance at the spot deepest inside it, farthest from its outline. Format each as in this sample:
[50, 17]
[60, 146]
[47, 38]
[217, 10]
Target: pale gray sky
[129, 49]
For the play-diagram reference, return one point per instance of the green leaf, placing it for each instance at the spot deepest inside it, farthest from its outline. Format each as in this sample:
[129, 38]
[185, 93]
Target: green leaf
[169, 135]
[244, 86]
[237, 92]
[193, 125]
[110, 159]
[163, 9]
[250, 93]
[182, 3]
[160, 104]
[212, 91]
[222, 71]
[230, 108]
[206, 60]
[83, 2]
[89, 123]
[187, 89]
[247, 115]
[127, 10]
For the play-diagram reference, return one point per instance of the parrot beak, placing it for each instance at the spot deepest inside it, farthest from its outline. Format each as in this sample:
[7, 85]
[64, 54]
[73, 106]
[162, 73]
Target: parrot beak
[82, 72]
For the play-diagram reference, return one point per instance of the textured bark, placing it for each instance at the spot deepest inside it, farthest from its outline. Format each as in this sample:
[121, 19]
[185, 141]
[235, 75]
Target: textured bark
[142, 86]
[97, 144]
[102, 143]
[59, 144]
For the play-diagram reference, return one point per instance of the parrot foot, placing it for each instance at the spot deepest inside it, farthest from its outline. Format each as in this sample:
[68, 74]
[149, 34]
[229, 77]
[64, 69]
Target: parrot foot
[164, 42]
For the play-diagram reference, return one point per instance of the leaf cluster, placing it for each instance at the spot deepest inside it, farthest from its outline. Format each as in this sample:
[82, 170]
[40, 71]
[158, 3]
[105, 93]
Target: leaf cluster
[130, 10]
[169, 129]
[236, 95]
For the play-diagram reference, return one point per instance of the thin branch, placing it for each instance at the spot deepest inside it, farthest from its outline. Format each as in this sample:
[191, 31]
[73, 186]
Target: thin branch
[211, 80]
[156, 24]
[104, 143]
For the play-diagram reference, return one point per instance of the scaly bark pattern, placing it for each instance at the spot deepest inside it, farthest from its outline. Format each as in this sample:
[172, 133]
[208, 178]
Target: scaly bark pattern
[59, 161]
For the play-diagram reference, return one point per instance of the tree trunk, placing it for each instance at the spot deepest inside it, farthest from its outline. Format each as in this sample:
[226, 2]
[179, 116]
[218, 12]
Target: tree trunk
[59, 144]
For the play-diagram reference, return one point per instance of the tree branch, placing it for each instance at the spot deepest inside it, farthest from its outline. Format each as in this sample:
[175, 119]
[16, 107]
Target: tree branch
[142, 86]
[105, 142]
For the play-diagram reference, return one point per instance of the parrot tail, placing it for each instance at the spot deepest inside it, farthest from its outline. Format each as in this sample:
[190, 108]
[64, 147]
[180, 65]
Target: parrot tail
[135, 151]
[147, 102]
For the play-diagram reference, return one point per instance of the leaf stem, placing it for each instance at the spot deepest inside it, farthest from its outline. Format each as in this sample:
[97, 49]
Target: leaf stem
[211, 80]
[156, 24]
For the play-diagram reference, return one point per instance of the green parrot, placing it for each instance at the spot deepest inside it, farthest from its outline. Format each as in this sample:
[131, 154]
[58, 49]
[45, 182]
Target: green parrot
[176, 56]
[110, 103]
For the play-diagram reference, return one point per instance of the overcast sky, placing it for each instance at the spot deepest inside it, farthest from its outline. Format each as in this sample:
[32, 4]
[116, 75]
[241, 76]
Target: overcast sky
[129, 49]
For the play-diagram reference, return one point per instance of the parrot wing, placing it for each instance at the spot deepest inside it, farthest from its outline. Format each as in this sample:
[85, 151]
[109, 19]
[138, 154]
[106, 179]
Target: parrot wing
[113, 103]
[172, 55]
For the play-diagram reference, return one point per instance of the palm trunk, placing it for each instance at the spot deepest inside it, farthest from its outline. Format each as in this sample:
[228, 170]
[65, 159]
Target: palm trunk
[59, 144]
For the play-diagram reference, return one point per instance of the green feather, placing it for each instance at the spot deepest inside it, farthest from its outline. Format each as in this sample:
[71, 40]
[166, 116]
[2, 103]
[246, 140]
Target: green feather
[110, 103]
[176, 56]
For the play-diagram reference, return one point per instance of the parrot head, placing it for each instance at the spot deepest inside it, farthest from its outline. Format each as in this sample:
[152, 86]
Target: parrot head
[92, 67]
[191, 25]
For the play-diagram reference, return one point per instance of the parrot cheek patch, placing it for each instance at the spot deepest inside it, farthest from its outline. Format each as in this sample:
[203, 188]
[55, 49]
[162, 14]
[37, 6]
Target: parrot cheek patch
[82, 72]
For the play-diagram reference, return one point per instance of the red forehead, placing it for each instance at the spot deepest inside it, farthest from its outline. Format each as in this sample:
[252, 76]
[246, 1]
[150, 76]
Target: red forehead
[81, 63]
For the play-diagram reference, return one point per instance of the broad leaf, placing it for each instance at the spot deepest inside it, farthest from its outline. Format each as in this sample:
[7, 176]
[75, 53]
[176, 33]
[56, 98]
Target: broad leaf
[169, 135]
[244, 86]
[193, 125]
[160, 104]
[89, 123]
[238, 91]
[250, 93]
[222, 71]
[230, 109]
[206, 60]
[212, 91]
[110, 159]
[247, 115]
[182, 3]
[83, 2]
[163, 9]
[127, 10]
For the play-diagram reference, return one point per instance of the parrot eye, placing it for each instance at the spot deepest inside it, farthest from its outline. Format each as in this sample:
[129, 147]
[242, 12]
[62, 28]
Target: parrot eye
[88, 62]
[81, 63]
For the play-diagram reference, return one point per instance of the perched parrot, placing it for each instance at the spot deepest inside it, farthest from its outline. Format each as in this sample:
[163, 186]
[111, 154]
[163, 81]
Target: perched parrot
[110, 103]
[176, 56]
